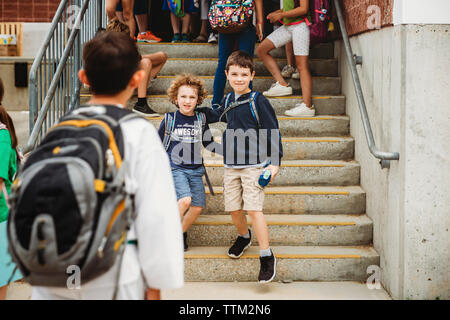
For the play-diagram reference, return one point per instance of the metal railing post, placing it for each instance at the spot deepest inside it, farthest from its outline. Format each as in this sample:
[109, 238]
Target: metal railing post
[384, 157]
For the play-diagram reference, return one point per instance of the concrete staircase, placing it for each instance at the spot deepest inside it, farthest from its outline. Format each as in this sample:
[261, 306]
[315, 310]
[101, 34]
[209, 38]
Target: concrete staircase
[315, 208]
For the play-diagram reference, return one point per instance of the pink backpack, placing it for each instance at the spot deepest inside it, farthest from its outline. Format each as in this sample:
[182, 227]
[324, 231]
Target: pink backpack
[320, 13]
[319, 10]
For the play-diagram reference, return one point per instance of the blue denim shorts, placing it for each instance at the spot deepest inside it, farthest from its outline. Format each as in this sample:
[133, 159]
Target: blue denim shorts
[189, 183]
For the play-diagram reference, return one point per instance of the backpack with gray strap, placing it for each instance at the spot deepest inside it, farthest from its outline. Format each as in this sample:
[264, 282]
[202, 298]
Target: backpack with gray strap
[251, 101]
[169, 126]
[69, 203]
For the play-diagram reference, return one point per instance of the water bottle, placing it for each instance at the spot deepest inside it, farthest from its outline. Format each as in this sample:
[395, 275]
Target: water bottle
[264, 178]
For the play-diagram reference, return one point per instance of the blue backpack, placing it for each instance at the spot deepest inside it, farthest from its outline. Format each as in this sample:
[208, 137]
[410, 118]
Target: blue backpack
[169, 122]
[251, 101]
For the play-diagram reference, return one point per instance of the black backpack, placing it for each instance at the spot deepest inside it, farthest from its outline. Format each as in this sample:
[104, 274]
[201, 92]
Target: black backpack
[69, 205]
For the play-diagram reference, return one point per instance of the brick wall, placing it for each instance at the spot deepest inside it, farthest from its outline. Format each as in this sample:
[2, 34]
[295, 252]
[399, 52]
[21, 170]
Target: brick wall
[356, 16]
[355, 12]
[28, 10]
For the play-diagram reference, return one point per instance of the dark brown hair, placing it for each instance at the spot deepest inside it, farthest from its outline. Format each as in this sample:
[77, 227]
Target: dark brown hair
[6, 119]
[110, 59]
[241, 59]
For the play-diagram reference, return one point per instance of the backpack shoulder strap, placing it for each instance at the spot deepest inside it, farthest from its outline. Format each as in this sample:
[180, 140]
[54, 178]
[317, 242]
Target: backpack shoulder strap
[169, 123]
[226, 105]
[201, 118]
[253, 107]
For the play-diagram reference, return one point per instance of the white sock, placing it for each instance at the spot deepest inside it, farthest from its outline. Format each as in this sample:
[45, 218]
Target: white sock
[246, 236]
[265, 253]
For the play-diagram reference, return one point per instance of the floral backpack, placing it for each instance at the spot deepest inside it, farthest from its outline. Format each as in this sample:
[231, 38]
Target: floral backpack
[230, 16]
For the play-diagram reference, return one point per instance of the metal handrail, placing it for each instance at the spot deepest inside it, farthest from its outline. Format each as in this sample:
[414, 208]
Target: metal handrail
[384, 157]
[54, 85]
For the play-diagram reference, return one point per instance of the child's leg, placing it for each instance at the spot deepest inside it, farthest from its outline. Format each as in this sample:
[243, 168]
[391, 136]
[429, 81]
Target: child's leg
[259, 226]
[239, 221]
[183, 206]
[197, 190]
[175, 23]
[186, 21]
[111, 8]
[158, 60]
[128, 15]
[305, 79]
[289, 53]
[147, 67]
[190, 217]
[269, 62]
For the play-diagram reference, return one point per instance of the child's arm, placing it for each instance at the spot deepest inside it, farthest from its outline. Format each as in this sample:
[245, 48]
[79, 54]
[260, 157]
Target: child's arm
[213, 114]
[209, 143]
[162, 128]
[268, 120]
[296, 12]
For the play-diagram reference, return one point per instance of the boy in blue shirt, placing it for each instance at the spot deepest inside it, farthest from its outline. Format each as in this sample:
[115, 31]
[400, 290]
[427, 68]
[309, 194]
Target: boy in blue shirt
[183, 132]
[251, 144]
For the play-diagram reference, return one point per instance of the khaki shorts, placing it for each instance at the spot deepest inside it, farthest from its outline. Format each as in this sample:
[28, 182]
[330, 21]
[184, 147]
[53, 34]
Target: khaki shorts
[241, 189]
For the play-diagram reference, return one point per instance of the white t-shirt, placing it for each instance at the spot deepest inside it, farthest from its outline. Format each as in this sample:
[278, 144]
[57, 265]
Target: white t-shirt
[158, 260]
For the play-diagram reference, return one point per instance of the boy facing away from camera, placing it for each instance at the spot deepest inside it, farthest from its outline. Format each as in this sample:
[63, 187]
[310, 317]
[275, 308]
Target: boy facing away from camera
[183, 132]
[251, 144]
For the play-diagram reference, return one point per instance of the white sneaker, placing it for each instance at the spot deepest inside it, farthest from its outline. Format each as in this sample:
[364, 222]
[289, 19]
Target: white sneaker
[295, 75]
[278, 90]
[301, 109]
[212, 38]
[287, 71]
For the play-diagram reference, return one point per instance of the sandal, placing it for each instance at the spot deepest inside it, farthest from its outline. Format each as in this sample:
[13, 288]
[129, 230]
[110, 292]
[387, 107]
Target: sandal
[200, 38]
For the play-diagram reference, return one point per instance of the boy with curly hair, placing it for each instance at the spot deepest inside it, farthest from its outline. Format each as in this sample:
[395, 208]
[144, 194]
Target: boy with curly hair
[183, 132]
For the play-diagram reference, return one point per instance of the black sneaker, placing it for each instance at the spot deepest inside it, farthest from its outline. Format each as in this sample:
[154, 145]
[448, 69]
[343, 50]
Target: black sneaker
[239, 246]
[185, 241]
[268, 269]
[145, 110]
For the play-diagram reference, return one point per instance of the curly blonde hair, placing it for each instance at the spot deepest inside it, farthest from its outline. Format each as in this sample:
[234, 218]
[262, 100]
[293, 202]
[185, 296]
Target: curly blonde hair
[190, 81]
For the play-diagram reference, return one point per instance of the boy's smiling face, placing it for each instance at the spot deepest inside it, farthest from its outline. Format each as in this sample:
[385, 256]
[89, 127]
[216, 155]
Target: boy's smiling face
[240, 78]
[187, 100]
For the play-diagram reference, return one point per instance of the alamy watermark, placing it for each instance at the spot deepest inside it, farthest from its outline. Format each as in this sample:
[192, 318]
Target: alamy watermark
[74, 279]
[374, 20]
[374, 281]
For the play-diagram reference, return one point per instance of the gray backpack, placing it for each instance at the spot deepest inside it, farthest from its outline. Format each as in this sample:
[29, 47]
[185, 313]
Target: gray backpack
[69, 206]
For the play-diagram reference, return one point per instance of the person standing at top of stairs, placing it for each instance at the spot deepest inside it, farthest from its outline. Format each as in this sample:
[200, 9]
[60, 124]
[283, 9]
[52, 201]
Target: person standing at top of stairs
[246, 40]
[296, 30]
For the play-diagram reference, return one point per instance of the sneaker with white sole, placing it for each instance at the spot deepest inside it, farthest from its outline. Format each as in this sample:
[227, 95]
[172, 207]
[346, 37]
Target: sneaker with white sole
[295, 74]
[212, 38]
[268, 269]
[301, 109]
[287, 71]
[278, 90]
[145, 110]
[239, 246]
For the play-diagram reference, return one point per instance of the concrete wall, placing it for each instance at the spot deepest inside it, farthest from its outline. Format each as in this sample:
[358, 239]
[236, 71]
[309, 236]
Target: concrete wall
[406, 84]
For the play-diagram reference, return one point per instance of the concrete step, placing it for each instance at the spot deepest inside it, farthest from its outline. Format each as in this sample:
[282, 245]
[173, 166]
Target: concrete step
[294, 126]
[301, 173]
[278, 290]
[205, 50]
[329, 200]
[320, 85]
[207, 66]
[287, 230]
[295, 263]
[309, 148]
[325, 105]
